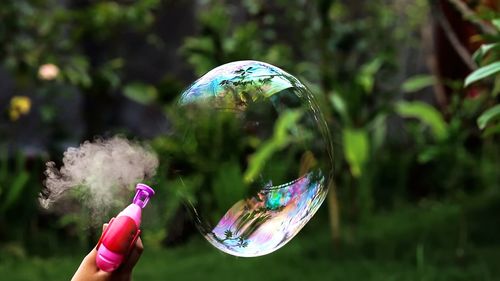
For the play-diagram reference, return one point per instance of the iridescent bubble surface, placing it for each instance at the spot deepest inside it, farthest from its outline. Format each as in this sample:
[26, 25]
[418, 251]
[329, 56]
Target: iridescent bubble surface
[258, 153]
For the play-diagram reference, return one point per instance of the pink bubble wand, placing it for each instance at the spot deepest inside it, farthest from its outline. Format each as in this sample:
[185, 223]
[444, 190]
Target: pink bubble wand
[122, 232]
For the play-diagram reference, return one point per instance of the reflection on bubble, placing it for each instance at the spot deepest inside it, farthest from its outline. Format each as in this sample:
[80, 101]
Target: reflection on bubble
[273, 153]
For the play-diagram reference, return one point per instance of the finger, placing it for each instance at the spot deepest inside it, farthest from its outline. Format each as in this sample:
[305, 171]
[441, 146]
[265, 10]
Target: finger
[132, 259]
[89, 260]
[135, 254]
[88, 268]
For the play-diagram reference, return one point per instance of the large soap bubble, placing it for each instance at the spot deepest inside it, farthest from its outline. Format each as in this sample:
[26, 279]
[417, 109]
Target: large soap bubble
[258, 153]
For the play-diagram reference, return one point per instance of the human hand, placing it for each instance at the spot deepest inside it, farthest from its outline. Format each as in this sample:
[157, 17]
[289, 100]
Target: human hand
[88, 270]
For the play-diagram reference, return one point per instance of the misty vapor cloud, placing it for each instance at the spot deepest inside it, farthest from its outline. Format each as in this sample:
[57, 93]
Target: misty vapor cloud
[101, 169]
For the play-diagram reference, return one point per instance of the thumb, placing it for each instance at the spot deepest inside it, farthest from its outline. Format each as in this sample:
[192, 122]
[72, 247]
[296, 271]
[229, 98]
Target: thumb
[104, 226]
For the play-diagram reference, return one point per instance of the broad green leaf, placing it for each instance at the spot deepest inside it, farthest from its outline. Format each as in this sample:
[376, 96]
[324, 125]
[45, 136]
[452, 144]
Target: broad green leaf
[488, 115]
[417, 83]
[281, 137]
[339, 106]
[379, 128]
[356, 149]
[140, 93]
[428, 153]
[217, 18]
[496, 23]
[483, 50]
[15, 189]
[426, 114]
[109, 72]
[366, 76]
[482, 72]
[77, 71]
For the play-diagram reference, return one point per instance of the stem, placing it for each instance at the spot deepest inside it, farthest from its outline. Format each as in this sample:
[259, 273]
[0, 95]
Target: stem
[333, 212]
[325, 54]
[470, 15]
[452, 37]
[326, 85]
[432, 64]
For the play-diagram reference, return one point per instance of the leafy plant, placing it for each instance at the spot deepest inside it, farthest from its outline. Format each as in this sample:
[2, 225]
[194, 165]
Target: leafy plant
[13, 181]
[482, 73]
[426, 114]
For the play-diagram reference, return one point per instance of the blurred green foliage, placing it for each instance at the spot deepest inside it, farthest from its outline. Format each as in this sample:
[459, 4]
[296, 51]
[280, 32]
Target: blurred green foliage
[398, 157]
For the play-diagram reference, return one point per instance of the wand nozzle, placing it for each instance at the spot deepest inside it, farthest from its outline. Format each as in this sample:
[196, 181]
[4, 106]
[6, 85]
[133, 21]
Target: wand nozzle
[142, 195]
[122, 232]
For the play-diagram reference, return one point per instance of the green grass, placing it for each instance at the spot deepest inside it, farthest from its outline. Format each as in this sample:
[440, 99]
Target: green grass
[414, 243]
[199, 261]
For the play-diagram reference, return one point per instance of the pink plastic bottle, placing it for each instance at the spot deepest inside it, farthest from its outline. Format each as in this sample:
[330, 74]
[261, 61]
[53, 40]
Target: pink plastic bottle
[122, 232]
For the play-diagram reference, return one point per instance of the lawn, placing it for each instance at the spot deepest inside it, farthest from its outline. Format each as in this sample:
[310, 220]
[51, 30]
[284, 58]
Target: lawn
[426, 248]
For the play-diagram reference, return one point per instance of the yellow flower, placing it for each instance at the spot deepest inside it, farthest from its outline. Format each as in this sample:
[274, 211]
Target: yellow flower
[19, 105]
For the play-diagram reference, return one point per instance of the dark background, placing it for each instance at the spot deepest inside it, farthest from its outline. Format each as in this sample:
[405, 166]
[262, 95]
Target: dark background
[416, 154]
